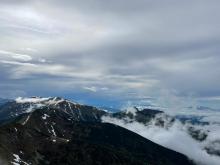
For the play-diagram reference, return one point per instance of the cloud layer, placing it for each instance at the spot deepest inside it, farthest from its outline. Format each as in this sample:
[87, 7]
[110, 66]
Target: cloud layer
[128, 48]
[176, 137]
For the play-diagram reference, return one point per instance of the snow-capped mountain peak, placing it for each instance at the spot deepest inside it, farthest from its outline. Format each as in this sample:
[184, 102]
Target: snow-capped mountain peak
[55, 104]
[42, 100]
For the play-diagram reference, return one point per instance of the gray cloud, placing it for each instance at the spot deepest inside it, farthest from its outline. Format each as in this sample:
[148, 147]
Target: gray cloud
[138, 47]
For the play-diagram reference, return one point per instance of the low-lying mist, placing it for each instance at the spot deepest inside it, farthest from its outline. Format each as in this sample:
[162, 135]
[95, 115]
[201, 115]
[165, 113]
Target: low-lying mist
[175, 135]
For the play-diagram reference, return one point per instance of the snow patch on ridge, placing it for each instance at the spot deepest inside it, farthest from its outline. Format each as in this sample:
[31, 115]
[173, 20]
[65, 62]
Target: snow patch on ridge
[26, 120]
[45, 116]
[40, 101]
[31, 100]
[18, 161]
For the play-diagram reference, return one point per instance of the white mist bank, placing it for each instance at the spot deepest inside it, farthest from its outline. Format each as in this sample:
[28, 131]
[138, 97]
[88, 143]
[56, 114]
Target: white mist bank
[176, 137]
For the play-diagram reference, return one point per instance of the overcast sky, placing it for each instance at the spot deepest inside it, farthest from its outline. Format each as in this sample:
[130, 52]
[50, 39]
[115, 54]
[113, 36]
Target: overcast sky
[109, 51]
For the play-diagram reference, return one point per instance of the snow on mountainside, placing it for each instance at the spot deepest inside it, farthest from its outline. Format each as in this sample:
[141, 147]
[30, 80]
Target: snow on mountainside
[48, 100]
[20, 106]
[57, 131]
[155, 125]
[37, 102]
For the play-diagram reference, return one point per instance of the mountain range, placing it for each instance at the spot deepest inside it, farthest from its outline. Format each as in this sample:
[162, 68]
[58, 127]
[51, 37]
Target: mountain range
[56, 131]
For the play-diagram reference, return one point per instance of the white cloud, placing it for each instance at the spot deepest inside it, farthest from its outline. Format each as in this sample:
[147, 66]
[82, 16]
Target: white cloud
[18, 63]
[212, 98]
[104, 88]
[42, 60]
[175, 137]
[91, 89]
[31, 100]
[29, 49]
[17, 56]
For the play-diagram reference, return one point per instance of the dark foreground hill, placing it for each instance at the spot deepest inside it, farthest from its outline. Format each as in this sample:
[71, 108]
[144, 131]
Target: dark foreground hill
[57, 135]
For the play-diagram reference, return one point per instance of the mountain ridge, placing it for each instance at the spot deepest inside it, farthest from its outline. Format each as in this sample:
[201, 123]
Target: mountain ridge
[75, 135]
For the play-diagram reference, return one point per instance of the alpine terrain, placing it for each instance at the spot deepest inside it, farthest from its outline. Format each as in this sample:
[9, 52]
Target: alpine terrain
[56, 131]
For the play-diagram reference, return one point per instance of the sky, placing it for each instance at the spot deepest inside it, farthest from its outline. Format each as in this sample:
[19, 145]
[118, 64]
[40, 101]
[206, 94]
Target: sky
[111, 52]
